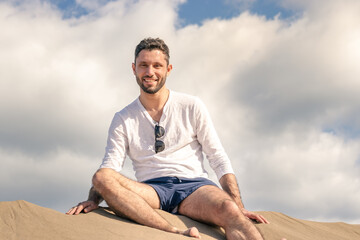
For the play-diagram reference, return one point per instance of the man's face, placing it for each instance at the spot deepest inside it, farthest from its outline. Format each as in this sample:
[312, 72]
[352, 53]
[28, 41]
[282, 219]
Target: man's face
[151, 70]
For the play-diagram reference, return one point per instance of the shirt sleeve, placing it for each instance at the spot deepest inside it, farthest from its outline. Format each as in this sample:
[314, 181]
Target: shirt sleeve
[117, 145]
[210, 142]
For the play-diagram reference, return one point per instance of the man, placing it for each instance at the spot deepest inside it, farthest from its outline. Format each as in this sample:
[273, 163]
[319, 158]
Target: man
[165, 134]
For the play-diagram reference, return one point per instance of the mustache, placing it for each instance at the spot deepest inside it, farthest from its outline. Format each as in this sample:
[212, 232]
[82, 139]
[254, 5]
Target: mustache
[149, 77]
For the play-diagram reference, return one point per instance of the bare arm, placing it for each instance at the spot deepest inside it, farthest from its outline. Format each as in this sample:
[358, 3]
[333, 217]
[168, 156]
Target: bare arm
[229, 184]
[92, 203]
[94, 196]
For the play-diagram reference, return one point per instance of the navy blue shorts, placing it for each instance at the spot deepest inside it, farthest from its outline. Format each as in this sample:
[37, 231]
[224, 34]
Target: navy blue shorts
[173, 190]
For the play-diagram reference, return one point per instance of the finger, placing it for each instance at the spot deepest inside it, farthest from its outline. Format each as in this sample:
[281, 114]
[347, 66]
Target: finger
[261, 219]
[71, 211]
[265, 220]
[79, 208]
[89, 208]
[258, 219]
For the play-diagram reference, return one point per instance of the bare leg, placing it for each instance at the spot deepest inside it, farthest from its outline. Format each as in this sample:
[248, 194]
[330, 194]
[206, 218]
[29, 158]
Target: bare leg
[212, 205]
[134, 200]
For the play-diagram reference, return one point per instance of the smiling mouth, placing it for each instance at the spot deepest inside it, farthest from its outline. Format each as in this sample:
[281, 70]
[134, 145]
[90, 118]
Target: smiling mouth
[149, 80]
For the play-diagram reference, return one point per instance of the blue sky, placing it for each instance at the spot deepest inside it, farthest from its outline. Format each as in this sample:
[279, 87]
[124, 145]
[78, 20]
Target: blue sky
[196, 11]
[283, 93]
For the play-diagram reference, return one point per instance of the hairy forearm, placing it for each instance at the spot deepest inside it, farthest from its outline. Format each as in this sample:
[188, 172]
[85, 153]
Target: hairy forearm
[229, 184]
[94, 196]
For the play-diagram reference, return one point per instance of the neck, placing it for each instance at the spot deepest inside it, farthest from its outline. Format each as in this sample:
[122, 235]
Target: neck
[156, 101]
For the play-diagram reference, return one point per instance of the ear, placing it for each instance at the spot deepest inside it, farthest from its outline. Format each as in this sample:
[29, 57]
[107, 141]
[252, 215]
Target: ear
[133, 68]
[169, 68]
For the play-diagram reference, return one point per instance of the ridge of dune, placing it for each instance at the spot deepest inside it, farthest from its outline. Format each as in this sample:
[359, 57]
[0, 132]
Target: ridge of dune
[282, 225]
[23, 220]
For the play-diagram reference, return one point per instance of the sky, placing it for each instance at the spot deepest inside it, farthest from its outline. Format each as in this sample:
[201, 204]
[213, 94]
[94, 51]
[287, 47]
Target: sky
[280, 79]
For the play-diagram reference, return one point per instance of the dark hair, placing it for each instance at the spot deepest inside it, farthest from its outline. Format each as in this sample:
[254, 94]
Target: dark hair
[151, 44]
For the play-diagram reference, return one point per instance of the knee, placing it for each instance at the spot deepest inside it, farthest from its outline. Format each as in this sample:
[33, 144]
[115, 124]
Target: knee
[101, 177]
[229, 209]
[228, 206]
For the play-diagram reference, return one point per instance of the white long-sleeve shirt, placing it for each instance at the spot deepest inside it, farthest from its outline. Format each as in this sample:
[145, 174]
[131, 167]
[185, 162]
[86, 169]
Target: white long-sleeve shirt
[189, 133]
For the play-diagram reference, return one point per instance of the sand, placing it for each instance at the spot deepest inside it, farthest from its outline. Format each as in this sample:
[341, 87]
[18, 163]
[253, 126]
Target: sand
[23, 220]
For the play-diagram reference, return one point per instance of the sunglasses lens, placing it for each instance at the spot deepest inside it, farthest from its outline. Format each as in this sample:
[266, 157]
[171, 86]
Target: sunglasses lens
[159, 146]
[159, 131]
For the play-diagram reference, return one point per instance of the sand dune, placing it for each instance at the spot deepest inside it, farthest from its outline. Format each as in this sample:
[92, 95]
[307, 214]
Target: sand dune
[23, 220]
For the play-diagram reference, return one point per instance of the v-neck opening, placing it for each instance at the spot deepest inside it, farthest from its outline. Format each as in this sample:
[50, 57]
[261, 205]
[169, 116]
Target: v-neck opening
[163, 115]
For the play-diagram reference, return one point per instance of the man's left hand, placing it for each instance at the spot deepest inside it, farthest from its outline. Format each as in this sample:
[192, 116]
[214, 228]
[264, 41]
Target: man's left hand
[253, 216]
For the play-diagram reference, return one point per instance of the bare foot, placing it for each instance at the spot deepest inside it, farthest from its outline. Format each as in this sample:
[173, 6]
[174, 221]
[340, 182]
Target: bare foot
[192, 232]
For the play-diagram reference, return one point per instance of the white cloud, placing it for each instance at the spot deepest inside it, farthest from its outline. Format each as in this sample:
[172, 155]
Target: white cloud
[284, 97]
[55, 180]
[300, 170]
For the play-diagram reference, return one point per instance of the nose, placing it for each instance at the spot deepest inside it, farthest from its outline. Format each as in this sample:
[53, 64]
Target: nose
[149, 71]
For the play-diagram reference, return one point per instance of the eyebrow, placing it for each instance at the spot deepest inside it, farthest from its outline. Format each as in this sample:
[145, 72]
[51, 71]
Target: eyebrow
[153, 63]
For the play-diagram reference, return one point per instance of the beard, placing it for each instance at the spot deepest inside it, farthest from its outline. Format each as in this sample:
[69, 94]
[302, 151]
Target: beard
[151, 90]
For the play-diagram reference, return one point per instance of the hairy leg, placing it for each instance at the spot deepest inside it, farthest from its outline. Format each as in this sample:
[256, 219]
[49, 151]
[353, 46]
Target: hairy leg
[133, 200]
[212, 205]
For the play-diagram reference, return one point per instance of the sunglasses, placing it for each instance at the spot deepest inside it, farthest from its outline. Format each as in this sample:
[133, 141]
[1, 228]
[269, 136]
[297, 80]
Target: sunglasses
[159, 132]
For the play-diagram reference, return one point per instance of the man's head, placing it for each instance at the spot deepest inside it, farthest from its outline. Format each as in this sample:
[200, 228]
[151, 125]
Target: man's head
[152, 44]
[151, 66]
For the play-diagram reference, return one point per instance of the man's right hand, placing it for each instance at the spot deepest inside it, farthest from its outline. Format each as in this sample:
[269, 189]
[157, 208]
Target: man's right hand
[86, 206]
